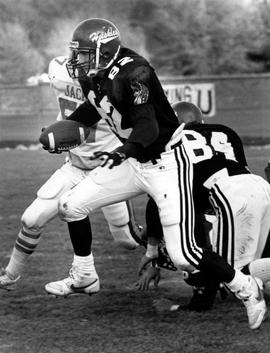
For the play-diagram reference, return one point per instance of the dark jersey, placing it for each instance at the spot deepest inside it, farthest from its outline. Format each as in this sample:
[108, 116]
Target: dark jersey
[219, 138]
[212, 147]
[131, 99]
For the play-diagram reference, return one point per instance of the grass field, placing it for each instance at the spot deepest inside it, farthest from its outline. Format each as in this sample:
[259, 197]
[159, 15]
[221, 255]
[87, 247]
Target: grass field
[118, 319]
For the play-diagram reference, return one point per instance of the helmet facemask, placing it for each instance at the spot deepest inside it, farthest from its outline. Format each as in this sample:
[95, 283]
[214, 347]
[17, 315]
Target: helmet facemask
[78, 68]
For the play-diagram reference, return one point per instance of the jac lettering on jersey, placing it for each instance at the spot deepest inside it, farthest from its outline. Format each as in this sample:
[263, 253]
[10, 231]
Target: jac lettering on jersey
[74, 92]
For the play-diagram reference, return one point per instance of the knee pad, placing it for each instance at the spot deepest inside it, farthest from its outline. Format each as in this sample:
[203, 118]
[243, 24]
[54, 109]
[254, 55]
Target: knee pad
[67, 212]
[45, 207]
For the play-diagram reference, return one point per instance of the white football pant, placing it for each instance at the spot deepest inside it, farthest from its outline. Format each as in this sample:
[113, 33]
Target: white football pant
[242, 204]
[45, 207]
[160, 179]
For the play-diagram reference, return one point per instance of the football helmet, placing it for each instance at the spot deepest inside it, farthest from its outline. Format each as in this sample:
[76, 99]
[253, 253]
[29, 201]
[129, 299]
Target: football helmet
[95, 45]
[187, 112]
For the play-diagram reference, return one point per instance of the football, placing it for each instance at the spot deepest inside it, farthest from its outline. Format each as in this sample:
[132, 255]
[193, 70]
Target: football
[63, 135]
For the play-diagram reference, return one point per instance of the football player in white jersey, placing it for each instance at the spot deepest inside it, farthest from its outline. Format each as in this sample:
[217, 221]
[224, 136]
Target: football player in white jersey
[123, 227]
[243, 245]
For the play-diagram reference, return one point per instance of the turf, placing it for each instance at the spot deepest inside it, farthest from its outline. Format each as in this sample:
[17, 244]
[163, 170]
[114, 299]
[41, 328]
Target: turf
[118, 319]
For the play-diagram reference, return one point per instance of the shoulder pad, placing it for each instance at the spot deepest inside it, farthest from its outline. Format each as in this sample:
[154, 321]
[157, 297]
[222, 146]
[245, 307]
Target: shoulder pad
[57, 70]
[140, 73]
[133, 65]
[139, 80]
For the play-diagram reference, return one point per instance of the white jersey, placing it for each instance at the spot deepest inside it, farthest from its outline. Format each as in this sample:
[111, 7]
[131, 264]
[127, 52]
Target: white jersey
[69, 96]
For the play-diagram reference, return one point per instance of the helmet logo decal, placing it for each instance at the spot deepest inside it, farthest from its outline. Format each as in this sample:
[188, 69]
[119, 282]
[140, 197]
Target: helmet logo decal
[74, 45]
[104, 37]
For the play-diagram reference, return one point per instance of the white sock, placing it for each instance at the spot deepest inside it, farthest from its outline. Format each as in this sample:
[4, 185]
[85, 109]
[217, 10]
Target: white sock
[16, 263]
[26, 243]
[239, 282]
[85, 265]
[260, 268]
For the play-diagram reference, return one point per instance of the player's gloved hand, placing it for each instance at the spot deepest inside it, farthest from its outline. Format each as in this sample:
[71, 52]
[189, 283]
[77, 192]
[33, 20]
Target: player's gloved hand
[111, 159]
[149, 275]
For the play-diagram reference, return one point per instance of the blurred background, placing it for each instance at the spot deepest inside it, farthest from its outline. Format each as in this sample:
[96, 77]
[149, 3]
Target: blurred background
[215, 53]
[179, 37]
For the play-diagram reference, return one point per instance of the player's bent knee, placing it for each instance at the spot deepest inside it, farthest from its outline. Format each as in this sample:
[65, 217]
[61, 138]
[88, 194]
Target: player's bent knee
[38, 214]
[67, 212]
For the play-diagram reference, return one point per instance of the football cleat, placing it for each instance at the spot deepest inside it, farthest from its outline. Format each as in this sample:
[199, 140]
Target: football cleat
[204, 291]
[7, 281]
[254, 302]
[203, 299]
[75, 283]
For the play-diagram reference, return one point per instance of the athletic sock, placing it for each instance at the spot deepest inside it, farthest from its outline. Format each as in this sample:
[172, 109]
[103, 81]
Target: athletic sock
[240, 282]
[85, 265]
[25, 245]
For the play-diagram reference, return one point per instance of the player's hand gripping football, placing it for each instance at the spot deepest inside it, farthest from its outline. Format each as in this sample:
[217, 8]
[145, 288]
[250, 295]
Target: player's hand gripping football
[52, 151]
[110, 159]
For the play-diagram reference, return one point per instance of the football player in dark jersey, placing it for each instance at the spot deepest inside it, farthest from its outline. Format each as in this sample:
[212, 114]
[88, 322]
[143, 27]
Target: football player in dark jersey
[122, 88]
[227, 143]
